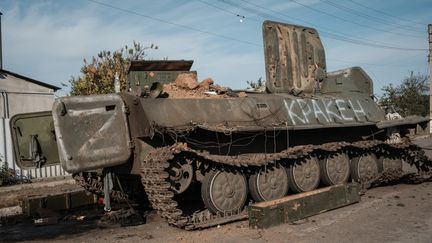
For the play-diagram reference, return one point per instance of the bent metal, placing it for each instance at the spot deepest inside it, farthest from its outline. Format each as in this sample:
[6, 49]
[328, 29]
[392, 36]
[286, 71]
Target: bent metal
[305, 111]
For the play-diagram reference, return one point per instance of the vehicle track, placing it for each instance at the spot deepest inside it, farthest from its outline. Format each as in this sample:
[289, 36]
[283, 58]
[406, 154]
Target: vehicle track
[156, 165]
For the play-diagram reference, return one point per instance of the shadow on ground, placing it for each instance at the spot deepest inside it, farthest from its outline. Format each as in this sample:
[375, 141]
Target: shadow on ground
[70, 223]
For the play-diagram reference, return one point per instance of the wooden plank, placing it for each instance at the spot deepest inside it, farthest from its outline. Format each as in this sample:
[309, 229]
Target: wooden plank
[302, 205]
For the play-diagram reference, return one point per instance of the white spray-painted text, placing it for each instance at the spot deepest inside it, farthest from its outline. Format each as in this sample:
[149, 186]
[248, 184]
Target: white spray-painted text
[305, 111]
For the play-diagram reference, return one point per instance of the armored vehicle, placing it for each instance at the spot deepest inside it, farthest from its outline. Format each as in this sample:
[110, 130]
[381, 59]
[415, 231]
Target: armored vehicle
[201, 160]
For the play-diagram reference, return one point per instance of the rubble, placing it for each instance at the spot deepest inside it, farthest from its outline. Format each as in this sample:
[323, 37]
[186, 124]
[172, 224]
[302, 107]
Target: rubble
[206, 83]
[187, 86]
[186, 81]
[242, 94]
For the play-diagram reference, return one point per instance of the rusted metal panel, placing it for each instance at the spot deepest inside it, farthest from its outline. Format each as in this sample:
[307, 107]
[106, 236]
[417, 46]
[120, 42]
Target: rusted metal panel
[299, 206]
[92, 132]
[294, 58]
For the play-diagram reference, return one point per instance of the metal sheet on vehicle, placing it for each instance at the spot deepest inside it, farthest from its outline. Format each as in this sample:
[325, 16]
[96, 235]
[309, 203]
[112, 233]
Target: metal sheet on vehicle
[409, 120]
[294, 57]
[92, 131]
[258, 112]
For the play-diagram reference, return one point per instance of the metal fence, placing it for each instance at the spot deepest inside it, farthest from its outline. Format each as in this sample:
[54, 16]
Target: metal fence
[7, 156]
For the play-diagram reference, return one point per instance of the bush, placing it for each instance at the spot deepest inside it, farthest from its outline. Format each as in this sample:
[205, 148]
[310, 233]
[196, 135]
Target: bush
[411, 97]
[10, 176]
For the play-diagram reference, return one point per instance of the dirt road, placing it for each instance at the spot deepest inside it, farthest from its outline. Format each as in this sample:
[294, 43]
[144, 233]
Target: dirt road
[400, 213]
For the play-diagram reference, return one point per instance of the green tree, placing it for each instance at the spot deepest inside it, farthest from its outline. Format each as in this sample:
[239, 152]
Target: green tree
[97, 76]
[411, 97]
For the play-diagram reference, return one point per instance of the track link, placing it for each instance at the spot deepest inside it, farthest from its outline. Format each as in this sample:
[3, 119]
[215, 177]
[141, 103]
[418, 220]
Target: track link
[154, 179]
[157, 187]
[92, 182]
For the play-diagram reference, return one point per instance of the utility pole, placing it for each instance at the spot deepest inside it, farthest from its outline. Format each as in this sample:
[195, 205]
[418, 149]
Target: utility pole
[1, 47]
[430, 75]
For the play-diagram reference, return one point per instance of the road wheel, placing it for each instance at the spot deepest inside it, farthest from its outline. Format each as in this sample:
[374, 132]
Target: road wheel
[269, 183]
[335, 169]
[304, 175]
[224, 191]
[390, 163]
[181, 175]
[364, 167]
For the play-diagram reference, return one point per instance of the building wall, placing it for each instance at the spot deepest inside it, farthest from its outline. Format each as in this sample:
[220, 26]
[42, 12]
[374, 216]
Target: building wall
[29, 102]
[23, 96]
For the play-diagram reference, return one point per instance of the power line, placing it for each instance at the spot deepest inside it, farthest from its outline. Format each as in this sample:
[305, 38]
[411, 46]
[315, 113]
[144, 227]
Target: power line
[172, 23]
[332, 35]
[368, 64]
[222, 9]
[387, 14]
[252, 10]
[369, 44]
[370, 17]
[350, 21]
[335, 36]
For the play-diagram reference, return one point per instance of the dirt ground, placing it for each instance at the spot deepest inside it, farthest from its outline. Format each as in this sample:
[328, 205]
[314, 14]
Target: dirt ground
[12, 195]
[400, 213]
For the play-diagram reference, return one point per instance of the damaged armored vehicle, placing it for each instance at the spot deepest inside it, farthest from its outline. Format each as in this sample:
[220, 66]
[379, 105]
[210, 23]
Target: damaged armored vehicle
[202, 159]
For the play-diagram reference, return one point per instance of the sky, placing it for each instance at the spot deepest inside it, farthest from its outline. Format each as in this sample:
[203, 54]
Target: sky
[48, 39]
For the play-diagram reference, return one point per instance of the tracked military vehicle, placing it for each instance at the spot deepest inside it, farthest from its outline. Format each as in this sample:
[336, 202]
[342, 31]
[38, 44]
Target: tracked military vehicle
[202, 160]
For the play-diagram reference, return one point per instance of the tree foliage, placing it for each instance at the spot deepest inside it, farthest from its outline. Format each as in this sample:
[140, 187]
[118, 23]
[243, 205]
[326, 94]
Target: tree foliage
[411, 97]
[97, 76]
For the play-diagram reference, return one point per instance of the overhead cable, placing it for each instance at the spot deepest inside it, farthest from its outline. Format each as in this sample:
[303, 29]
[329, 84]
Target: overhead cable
[173, 24]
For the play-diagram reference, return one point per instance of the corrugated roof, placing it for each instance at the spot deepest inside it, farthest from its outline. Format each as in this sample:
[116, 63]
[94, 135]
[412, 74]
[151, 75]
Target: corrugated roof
[55, 88]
